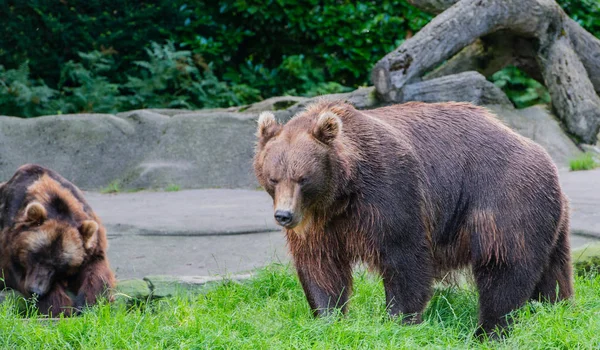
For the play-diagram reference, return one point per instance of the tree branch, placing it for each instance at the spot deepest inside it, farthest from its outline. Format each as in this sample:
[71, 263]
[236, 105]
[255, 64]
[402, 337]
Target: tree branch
[573, 95]
[534, 35]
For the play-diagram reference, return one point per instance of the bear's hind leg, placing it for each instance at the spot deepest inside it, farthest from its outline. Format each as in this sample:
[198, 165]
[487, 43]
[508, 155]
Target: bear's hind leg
[503, 288]
[558, 273]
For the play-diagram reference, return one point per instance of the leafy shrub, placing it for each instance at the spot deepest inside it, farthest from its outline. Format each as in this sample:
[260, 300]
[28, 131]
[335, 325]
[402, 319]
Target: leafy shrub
[21, 95]
[172, 79]
[51, 33]
[298, 47]
[85, 88]
[522, 90]
[584, 12]
[219, 53]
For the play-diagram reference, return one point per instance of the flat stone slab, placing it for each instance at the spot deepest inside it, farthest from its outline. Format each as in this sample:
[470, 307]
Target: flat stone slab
[185, 213]
[583, 190]
[133, 256]
[205, 232]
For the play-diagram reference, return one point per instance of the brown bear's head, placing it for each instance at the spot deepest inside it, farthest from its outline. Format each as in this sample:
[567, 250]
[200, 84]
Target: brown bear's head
[48, 249]
[299, 164]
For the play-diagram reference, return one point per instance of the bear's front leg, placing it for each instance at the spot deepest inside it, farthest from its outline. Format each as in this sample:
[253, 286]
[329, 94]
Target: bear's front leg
[94, 280]
[407, 278]
[326, 288]
[57, 301]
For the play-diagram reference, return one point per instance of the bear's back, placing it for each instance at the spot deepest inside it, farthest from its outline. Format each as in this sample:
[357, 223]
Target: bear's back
[36, 183]
[460, 136]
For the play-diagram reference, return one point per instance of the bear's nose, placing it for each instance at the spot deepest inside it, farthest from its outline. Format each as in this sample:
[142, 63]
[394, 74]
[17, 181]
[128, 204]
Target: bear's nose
[283, 217]
[36, 290]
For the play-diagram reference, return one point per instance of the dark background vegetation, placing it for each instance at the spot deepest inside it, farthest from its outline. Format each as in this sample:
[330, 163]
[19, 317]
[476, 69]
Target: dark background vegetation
[72, 56]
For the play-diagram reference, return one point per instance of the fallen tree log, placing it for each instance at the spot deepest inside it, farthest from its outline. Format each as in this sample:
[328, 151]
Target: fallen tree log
[488, 35]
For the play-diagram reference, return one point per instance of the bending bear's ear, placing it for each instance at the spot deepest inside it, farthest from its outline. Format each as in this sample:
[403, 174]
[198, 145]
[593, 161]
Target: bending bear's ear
[36, 212]
[267, 127]
[328, 127]
[88, 231]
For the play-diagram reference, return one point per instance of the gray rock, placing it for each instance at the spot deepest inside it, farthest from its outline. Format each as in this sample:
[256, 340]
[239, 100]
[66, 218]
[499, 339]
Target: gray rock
[91, 150]
[593, 150]
[213, 148]
[465, 87]
[273, 104]
[138, 149]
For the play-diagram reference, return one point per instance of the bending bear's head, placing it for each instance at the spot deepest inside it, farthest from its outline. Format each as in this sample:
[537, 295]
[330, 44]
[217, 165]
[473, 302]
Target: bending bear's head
[300, 164]
[49, 248]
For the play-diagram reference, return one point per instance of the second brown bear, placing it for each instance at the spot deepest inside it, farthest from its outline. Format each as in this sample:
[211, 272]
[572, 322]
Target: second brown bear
[51, 242]
[416, 190]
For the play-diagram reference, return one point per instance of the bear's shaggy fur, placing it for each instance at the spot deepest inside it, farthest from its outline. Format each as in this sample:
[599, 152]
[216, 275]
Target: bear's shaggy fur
[51, 242]
[416, 190]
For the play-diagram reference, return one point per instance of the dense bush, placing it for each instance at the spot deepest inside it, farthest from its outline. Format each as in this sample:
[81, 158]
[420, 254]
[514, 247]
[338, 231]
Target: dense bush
[98, 55]
[228, 52]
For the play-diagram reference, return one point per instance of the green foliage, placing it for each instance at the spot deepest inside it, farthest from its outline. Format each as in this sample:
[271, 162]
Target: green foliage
[113, 187]
[337, 40]
[172, 79]
[586, 260]
[51, 33]
[270, 312]
[218, 54]
[85, 88]
[585, 161]
[522, 90]
[585, 12]
[106, 56]
[21, 95]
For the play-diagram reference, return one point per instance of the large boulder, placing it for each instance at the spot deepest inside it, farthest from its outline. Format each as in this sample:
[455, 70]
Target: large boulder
[139, 149]
[212, 148]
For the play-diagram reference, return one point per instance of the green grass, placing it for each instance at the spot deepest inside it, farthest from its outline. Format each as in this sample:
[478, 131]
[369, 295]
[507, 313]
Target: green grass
[585, 161]
[173, 188]
[270, 312]
[113, 187]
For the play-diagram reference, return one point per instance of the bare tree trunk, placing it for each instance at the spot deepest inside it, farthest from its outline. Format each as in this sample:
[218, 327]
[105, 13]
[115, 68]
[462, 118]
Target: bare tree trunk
[487, 35]
[585, 44]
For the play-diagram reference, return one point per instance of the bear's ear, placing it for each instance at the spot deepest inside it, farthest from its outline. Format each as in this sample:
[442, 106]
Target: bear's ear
[35, 212]
[88, 230]
[267, 127]
[328, 127]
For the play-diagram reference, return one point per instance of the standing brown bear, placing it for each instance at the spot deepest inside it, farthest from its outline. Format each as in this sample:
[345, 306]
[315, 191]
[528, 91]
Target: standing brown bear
[51, 242]
[414, 191]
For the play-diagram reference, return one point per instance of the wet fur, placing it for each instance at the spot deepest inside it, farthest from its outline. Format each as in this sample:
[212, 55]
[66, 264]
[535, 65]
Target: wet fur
[417, 190]
[77, 235]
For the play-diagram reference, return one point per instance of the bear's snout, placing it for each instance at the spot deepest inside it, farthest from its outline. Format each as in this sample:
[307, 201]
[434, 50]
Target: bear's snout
[40, 288]
[284, 217]
[38, 281]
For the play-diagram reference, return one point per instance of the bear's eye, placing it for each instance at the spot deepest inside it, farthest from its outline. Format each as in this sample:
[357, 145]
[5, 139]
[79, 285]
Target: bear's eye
[302, 181]
[272, 181]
